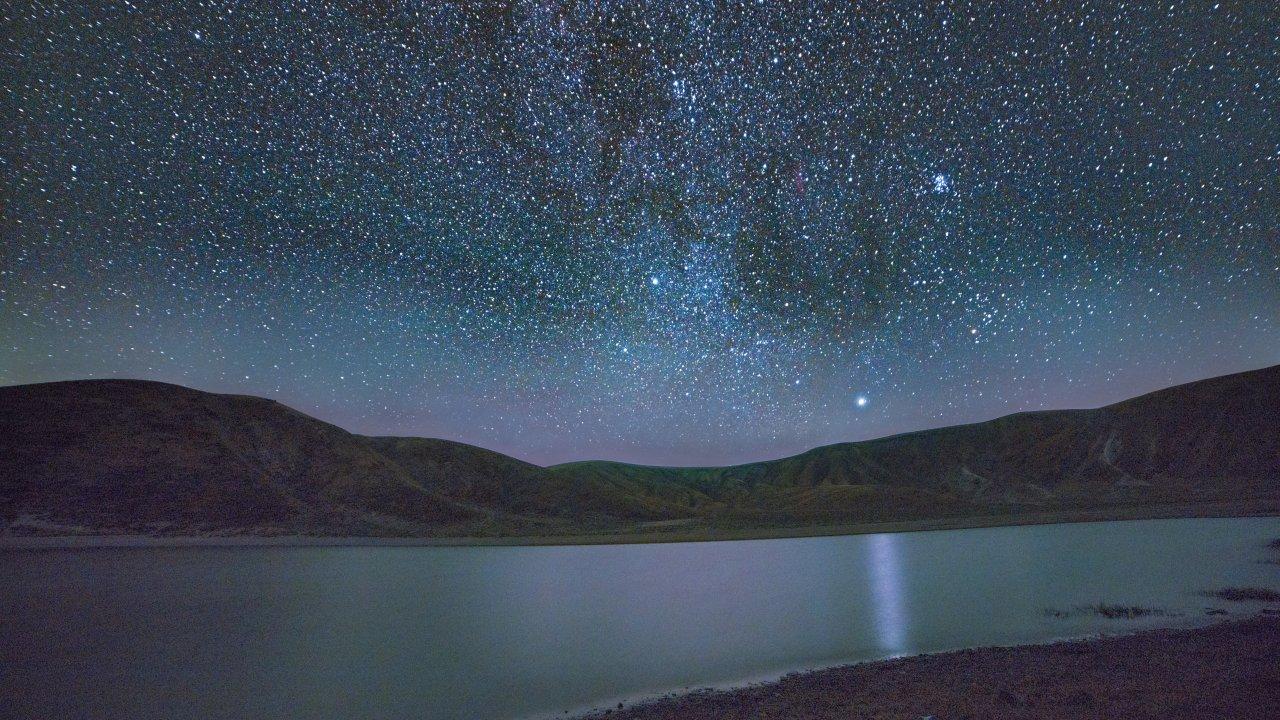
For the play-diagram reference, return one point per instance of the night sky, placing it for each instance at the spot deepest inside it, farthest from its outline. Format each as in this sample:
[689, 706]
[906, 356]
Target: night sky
[672, 233]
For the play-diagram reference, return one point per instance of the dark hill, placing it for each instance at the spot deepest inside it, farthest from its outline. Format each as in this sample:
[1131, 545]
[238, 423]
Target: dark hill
[133, 456]
[1212, 439]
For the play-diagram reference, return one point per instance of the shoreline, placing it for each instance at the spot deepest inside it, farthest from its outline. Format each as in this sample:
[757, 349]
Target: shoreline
[1155, 672]
[643, 700]
[1226, 509]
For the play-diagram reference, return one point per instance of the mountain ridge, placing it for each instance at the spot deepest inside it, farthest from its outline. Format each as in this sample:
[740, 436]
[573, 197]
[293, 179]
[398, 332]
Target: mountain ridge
[142, 456]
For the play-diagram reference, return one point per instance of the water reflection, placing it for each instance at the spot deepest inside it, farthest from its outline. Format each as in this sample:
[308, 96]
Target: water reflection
[368, 633]
[885, 565]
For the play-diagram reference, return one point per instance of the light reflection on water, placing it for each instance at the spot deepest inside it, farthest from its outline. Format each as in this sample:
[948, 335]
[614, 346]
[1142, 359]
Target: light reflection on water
[886, 588]
[506, 632]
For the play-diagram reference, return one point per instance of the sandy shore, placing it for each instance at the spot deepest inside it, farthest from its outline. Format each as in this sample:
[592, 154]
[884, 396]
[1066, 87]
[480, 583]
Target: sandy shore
[660, 534]
[1228, 670]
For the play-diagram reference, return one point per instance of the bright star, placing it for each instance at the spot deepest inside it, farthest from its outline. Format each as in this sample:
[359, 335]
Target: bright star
[861, 401]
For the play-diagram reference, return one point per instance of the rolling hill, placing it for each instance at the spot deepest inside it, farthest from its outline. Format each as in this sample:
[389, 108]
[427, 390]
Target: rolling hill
[126, 456]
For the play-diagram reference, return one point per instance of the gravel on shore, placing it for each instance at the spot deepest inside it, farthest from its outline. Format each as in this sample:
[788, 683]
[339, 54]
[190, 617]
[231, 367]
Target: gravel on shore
[1227, 670]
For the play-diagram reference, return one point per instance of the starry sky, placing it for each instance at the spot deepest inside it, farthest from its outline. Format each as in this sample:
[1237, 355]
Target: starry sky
[660, 232]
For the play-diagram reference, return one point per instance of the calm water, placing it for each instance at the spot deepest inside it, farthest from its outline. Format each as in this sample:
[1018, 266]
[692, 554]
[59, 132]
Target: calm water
[403, 632]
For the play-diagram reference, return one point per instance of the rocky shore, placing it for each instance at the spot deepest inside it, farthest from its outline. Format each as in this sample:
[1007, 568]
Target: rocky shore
[1227, 670]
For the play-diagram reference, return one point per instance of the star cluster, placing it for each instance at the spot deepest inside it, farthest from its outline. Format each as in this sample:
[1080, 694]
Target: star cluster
[666, 232]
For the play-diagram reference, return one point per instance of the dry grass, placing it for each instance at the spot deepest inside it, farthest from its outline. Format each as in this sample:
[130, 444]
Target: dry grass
[1110, 610]
[1246, 594]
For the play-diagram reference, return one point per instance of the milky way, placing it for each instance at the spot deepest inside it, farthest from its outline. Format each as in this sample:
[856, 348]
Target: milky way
[662, 232]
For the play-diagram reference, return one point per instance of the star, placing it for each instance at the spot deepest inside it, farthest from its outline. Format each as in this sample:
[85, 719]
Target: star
[462, 226]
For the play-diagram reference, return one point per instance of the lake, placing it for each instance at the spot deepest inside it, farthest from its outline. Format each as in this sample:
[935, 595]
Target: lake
[508, 632]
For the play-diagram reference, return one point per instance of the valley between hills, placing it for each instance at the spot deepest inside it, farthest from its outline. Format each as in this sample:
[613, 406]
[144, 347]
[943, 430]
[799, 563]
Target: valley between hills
[148, 459]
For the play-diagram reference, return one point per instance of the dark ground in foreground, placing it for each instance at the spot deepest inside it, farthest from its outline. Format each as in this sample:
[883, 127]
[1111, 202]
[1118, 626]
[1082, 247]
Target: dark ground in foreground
[1229, 670]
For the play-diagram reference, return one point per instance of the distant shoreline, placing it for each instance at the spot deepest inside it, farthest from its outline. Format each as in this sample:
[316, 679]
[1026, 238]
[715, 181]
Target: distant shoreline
[1227, 509]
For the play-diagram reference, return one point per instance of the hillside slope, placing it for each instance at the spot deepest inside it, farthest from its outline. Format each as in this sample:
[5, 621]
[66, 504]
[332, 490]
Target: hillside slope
[132, 455]
[1212, 439]
[145, 457]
